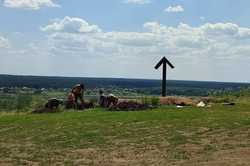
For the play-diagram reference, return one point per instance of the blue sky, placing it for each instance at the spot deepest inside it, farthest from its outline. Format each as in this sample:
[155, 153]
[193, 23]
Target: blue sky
[206, 40]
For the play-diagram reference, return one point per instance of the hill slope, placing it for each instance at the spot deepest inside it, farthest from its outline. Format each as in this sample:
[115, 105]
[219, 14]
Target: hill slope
[164, 136]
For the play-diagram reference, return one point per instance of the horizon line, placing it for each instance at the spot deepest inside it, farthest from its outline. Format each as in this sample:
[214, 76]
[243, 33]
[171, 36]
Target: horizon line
[124, 78]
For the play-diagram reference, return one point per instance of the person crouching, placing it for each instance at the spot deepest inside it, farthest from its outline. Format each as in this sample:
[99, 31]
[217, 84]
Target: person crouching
[107, 101]
[78, 92]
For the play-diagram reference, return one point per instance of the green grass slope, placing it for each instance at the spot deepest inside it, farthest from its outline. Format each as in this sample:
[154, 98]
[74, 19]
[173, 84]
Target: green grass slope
[165, 136]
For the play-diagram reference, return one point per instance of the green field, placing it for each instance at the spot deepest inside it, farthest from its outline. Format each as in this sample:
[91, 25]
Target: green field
[219, 135]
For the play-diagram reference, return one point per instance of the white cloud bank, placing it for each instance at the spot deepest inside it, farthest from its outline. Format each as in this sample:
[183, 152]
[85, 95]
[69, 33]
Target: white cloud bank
[174, 9]
[30, 4]
[4, 43]
[75, 47]
[139, 2]
[192, 49]
[221, 40]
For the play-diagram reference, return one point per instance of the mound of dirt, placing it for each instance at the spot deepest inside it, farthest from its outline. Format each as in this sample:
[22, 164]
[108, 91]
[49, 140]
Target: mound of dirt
[182, 101]
[129, 106]
[44, 110]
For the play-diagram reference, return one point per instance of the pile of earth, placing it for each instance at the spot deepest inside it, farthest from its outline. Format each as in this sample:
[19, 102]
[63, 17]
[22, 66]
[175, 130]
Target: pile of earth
[130, 106]
[45, 110]
[53, 107]
[182, 101]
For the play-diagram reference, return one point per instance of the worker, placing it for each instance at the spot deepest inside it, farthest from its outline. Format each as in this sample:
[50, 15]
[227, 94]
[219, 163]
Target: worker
[112, 100]
[107, 101]
[102, 99]
[78, 92]
[71, 101]
[53, 103]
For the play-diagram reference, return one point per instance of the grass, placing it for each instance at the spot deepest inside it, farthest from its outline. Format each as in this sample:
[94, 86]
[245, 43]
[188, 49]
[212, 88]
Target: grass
[162, 136]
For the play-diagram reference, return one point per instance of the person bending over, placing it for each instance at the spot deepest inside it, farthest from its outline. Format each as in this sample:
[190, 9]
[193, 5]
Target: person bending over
[78, 92]
[107, 101]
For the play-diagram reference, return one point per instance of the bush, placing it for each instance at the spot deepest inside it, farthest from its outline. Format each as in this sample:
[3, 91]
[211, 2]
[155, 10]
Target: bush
[155, 101]
[145, 100]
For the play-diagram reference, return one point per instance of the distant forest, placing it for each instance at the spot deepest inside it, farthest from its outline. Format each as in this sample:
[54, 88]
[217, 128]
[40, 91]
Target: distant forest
[152, 86]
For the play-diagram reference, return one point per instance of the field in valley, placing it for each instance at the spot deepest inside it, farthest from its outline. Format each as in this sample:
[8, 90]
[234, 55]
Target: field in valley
[219, 135]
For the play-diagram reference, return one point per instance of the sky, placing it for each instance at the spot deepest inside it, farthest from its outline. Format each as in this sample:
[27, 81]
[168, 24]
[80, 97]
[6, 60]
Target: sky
[205, 40]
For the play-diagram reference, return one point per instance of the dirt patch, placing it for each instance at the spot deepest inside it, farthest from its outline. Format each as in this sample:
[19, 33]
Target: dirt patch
[235, 157]
[150, 155]
[45, 110]
[129, 106]
[123, 153]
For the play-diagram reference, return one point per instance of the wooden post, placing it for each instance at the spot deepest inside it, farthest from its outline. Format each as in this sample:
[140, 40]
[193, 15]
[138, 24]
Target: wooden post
[164, 80]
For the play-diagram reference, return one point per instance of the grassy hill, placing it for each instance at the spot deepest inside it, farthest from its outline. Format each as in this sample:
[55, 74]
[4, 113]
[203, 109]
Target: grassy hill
[165, 136]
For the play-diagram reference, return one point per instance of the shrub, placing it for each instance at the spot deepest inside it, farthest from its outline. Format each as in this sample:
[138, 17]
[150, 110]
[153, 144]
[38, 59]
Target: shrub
[145, 100]
[155, 101]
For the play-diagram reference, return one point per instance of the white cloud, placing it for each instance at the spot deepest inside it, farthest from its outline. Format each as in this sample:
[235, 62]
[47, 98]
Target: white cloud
[30, 4]
[221, 40]
[192, 49]
[4, 43]
[174, 9]
[140, 2]
[71, 25]
[221, 29]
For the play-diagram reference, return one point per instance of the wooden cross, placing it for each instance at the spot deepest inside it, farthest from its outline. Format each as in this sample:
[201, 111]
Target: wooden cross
[164, 61]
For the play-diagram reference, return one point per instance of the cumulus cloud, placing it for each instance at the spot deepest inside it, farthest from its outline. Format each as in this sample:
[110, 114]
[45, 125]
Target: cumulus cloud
[140, 2]
[30, 4]
[4, 43]
[174, 9]
[71, 25]
[221, 40]
[95, 52]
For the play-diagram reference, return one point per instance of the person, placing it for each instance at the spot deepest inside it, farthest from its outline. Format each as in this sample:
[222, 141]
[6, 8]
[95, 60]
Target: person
[107, 101]
[112, 100]
[71, 102]
[102, 99]
[78, 92]
[53, 103]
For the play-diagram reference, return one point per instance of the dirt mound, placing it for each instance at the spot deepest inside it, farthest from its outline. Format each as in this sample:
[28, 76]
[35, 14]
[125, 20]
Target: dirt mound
[129, 106]
[182, 101]
[86, 105]
[44, 110]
